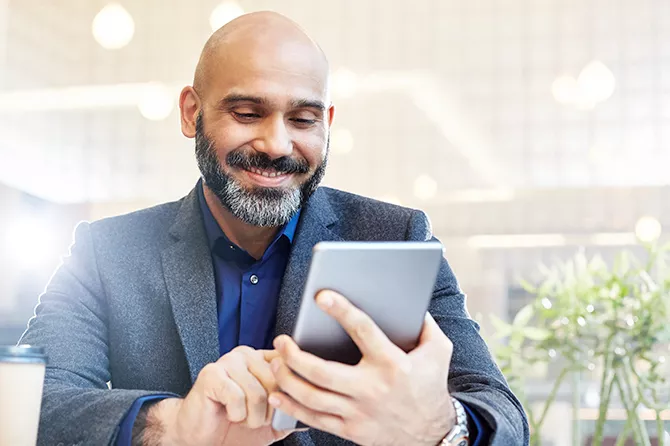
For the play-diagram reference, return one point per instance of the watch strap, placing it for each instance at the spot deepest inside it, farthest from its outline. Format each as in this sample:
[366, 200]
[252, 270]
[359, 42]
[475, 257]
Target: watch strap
[459, 434]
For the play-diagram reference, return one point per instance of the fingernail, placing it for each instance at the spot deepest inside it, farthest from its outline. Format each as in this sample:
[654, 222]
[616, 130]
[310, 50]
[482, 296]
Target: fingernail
[279, 343]
[325, 300]
[274, 401]
[275, 364]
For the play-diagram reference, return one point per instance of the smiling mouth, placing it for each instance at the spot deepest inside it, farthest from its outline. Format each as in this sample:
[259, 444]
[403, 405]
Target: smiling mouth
[270, 173]
[267, 177]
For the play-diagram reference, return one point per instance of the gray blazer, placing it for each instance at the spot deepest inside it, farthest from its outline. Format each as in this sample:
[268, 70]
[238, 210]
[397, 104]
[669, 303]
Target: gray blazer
[134, 305]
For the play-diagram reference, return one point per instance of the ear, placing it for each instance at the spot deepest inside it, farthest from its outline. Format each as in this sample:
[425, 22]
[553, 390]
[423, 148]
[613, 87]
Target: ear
[189, 107]
[331, 114]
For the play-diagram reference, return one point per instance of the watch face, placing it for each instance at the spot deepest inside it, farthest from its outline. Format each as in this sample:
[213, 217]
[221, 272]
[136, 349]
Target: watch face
[462, 443]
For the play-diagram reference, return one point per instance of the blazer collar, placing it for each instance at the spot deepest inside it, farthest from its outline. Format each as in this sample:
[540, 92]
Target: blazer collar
[318, 222]
[189, 277]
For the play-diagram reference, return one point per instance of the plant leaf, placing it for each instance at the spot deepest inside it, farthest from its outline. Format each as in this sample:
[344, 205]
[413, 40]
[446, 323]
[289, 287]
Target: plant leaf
[502, 328]
[536, 334]
[523, 316]
[516, 341]
[527, 286]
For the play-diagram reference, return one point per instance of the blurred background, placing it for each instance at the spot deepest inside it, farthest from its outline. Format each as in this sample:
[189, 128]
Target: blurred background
[526, 129]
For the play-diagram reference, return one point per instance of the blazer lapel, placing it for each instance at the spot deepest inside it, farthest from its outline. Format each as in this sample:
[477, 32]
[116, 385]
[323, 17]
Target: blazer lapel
[189, 277]
[316, 221]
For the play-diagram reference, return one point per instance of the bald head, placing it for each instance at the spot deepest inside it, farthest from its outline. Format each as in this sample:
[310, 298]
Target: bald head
[264, 37]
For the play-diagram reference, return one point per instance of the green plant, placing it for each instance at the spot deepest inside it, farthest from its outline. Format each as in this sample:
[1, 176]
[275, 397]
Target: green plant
[587, 317]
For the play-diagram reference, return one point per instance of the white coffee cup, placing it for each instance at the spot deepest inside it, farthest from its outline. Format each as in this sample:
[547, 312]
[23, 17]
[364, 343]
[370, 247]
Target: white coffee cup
[21, 381]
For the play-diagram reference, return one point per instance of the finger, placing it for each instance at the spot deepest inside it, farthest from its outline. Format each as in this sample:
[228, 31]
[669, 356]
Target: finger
[324, 422]
[430, 329]
[260, 368]
[308, 395]
[254, 393]
[370, 339]
[220, 388]
[433, 340]
[269, 355]
[329, 375]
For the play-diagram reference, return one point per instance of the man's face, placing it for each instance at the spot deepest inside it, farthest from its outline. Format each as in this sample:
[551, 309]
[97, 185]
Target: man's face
[262, 135]
[256, 204]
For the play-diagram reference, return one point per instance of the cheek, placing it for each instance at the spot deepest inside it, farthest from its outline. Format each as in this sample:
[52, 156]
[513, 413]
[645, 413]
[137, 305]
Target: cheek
[312, 148]
[228, 138]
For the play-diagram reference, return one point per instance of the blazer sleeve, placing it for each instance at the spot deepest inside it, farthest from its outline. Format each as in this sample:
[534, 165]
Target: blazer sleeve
[474, 378]
[70, 322]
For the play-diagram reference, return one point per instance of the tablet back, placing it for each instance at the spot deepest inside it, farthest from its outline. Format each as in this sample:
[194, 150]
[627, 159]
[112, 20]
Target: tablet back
[392, 282]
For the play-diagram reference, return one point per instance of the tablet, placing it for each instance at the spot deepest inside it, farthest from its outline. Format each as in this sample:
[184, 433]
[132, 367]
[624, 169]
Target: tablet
[392, 282]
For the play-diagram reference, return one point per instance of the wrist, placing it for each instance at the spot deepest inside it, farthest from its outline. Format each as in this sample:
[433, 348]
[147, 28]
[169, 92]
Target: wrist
[459, 434]
[160, 423]
[444, 420]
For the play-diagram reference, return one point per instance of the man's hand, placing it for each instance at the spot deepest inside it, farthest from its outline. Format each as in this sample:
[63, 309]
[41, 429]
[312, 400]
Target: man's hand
[389, 398]
[226, 406]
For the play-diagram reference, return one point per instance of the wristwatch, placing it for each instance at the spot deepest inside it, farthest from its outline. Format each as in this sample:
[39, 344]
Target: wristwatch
[459, 434]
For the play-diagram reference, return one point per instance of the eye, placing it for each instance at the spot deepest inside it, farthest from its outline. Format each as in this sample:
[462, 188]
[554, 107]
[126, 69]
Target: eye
[303, 123]
[246, 116]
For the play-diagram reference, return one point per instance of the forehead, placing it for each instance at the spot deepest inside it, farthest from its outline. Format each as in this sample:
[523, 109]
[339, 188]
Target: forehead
[280, 73]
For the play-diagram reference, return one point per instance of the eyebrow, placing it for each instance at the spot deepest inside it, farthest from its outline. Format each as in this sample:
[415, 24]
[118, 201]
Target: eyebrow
[233, 99]
[307, 103]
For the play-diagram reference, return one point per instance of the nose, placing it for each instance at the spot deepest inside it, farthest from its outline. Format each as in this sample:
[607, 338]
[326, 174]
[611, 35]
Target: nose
[274, 139]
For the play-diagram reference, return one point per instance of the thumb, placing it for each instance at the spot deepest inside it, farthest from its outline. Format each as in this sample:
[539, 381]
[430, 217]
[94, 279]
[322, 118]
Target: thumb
[432, 341]
[430, 330]
[269, 355]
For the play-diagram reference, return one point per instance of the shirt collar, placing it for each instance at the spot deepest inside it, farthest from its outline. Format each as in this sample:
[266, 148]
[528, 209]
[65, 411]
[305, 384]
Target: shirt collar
[214, 232]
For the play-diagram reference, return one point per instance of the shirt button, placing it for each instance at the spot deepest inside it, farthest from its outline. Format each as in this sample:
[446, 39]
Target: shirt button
[253, 279]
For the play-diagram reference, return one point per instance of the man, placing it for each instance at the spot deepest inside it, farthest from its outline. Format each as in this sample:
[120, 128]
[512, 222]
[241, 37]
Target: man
[184, 308]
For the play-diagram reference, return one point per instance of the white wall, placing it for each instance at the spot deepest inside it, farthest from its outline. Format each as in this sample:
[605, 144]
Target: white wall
[9, 199]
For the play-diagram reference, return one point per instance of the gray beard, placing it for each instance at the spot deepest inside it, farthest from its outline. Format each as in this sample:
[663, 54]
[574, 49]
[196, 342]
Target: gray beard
[260, 209]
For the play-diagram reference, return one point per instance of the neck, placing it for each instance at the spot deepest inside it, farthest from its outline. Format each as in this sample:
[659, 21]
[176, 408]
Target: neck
[253, 239]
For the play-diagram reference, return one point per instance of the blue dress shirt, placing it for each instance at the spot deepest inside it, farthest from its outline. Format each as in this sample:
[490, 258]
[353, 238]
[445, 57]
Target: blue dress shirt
[247, 289]
[247, 292]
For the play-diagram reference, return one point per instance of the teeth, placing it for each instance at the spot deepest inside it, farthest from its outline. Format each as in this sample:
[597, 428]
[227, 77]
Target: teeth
[264, 173]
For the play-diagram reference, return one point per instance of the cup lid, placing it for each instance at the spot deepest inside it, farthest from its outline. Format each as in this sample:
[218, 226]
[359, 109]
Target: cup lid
[21, 352]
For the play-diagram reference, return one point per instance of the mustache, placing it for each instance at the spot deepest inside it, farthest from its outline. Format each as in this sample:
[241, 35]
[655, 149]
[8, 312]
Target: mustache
[285, 164]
